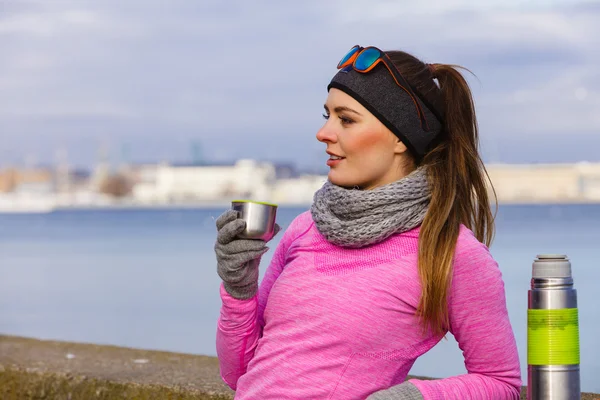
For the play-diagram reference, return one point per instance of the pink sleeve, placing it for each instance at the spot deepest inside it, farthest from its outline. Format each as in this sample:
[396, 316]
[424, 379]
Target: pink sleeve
[479, 322]
[240, 323]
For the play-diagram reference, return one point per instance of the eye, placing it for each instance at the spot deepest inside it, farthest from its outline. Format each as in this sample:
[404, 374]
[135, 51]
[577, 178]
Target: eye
[326, 116]
[346, 120]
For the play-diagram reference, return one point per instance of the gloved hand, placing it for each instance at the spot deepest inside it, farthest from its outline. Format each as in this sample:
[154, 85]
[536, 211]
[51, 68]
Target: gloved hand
[403, 391]
[238, 259]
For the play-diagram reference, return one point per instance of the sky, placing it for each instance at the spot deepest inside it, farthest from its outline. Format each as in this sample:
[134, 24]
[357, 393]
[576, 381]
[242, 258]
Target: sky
[148, 80]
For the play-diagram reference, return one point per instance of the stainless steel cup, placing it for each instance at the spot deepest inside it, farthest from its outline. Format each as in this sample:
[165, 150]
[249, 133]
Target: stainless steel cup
[259, 217]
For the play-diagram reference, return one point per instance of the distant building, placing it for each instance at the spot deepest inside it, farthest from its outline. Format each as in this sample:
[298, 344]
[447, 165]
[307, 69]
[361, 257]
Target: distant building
[545, 183]
[285, 171]
[201, 184]
[589, 180]
[36, 179]
[166, 183]
[297, 191]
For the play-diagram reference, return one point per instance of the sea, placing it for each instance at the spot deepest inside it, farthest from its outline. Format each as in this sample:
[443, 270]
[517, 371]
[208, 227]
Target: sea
[146, 278]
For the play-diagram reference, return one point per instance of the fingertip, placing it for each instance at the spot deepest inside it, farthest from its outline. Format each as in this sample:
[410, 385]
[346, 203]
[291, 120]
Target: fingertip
[230, 231]
[225, 218]
[238, 225]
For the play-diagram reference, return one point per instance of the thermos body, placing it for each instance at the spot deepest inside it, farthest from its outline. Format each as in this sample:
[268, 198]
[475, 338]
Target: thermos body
[552, 332]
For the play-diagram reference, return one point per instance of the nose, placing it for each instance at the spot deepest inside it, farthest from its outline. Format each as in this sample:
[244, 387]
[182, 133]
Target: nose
[326, 134]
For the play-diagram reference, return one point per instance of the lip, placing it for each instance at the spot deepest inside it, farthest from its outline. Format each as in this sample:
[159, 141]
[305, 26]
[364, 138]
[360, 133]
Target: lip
[333, 163]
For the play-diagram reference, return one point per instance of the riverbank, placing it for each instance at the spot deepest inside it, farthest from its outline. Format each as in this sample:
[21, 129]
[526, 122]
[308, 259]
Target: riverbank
[41, 369]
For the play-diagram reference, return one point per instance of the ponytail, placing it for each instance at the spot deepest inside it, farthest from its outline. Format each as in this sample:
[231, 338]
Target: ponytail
[458, 181]
[459, 195]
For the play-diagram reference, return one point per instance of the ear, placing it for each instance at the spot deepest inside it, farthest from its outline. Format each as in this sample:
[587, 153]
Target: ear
[399, 147]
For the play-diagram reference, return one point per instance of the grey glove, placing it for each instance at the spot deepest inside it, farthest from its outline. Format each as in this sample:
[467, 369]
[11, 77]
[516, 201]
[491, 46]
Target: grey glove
[403, 391]
[238, 259]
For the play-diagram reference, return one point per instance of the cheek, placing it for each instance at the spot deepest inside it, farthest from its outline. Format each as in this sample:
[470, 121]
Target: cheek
[364, 142]
[371, 145]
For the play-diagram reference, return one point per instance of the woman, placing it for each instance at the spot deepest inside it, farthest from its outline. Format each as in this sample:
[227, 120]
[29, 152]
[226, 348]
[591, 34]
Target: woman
[389, 259]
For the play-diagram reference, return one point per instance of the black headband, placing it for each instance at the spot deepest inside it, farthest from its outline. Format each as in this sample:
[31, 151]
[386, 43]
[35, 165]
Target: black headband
[389, 103]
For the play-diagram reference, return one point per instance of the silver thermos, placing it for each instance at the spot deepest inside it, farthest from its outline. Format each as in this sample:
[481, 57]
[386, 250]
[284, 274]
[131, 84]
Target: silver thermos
[552, 331]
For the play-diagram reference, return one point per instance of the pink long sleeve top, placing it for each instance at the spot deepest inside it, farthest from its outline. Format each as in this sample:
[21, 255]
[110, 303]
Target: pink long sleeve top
[336, 323]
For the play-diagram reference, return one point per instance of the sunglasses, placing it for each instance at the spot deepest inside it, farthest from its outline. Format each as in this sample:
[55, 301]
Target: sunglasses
[364, 59]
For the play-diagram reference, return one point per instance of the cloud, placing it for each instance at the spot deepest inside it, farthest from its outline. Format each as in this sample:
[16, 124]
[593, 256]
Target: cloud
[565, 105]
[256, 71]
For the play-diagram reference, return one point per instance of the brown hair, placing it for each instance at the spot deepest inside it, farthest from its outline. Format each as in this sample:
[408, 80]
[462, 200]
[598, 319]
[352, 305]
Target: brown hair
[457, 177]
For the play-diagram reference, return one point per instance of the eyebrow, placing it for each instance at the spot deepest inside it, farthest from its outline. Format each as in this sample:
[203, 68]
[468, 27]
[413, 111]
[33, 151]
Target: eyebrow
[340, 109]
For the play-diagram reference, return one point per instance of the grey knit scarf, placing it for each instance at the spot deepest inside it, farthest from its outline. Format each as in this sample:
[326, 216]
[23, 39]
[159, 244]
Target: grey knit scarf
[357, 218]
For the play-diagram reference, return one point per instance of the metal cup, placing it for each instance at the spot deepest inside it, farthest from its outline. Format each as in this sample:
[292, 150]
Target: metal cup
[259, 217]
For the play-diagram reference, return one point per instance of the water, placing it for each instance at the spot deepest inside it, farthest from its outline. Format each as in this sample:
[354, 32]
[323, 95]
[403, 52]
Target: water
[147, 279]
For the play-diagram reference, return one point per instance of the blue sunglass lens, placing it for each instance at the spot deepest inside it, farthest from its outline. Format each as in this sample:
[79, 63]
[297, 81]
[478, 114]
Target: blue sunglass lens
[366, 59]
[347, 56]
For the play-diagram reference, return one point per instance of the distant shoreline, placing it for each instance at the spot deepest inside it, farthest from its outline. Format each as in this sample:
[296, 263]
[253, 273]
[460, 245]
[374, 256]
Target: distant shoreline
[224, 205]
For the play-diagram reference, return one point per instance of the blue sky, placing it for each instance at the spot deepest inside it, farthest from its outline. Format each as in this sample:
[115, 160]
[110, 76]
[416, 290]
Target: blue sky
[143, 79]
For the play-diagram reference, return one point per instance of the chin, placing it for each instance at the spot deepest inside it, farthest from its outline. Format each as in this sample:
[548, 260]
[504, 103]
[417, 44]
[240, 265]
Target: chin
[343, 181]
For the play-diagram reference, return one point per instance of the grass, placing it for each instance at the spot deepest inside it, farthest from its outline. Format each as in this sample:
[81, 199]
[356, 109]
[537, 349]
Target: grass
[18, 384]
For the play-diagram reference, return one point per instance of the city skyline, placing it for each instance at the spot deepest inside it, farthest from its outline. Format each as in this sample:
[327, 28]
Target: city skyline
[248, 80]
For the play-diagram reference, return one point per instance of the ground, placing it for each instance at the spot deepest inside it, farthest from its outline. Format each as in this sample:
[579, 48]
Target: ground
[50, 370]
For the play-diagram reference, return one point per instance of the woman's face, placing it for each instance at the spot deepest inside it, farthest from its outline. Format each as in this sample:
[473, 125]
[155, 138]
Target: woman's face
[363, 152]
